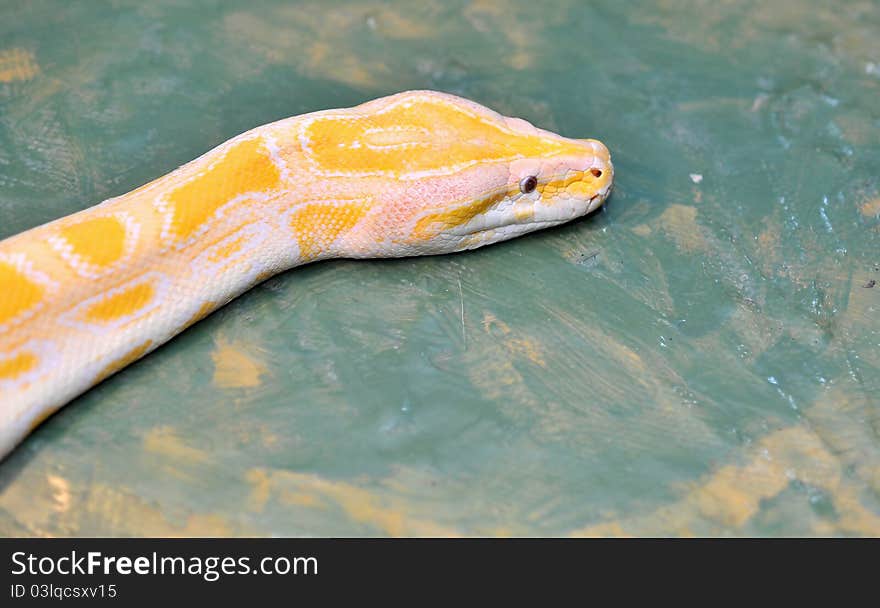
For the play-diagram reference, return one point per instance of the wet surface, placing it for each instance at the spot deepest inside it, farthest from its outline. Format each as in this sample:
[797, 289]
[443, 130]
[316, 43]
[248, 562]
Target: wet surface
[701, 357]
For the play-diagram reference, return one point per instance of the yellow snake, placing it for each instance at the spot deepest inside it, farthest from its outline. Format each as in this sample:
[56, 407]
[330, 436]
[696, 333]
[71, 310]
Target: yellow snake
[415, 173]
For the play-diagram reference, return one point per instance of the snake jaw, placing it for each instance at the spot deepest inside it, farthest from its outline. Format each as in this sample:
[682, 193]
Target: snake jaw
[567, 188]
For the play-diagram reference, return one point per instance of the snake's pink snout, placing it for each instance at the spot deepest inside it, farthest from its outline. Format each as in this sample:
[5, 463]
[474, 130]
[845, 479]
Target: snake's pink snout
[601, 168]
[601, 154]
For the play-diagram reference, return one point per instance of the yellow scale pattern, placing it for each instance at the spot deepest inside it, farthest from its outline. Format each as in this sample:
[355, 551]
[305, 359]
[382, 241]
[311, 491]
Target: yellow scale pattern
[218, 254]
[16, 366]
[434, 223]
[98, 241]
[317, 225]
[419, 137]
[121, 304]
[124, 361]
[577, 183]
[246, 167]
[20, 294]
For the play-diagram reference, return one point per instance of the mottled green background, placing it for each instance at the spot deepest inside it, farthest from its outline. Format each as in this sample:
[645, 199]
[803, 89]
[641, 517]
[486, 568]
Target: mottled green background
[702, 357]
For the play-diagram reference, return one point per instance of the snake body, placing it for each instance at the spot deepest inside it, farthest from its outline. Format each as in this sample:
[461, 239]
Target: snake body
[415, 173]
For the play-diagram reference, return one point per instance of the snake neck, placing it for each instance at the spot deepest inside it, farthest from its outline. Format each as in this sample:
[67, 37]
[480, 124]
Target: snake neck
[97, 290]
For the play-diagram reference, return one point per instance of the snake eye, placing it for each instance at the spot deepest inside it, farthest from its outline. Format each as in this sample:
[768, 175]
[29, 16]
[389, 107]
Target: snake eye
[528, 184]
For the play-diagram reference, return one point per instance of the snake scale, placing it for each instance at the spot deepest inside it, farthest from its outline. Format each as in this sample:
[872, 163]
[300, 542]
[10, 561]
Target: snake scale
[417, 173]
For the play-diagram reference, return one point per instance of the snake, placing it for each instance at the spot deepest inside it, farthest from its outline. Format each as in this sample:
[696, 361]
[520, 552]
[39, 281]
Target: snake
[415, 173]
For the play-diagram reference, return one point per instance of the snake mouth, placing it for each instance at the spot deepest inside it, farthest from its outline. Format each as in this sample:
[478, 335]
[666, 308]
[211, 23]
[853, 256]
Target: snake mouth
[516, 218]
[504, 228]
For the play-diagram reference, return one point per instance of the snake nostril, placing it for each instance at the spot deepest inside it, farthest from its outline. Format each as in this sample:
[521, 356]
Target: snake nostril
[596, 172]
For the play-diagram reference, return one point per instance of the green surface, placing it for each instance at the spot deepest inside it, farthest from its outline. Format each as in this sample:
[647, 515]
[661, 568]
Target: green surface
[702, 357]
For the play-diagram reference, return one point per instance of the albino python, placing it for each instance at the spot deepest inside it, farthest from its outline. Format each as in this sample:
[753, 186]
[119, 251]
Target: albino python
[415, 173]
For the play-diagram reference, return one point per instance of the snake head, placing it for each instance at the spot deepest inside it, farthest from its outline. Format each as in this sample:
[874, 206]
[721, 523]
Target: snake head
[487, 178]
[537, 191]
[449, 174]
